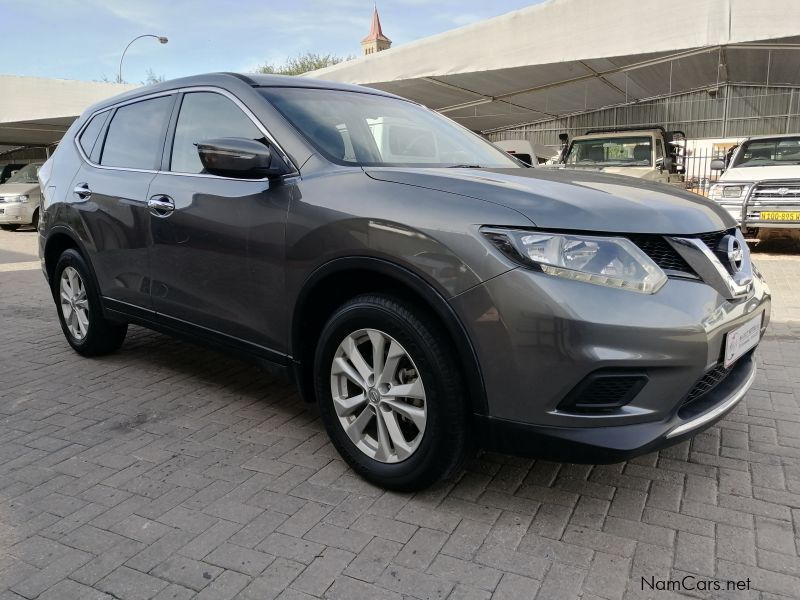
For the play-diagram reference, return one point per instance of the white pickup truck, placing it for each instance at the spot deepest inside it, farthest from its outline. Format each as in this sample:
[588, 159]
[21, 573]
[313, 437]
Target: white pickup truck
[760, 183]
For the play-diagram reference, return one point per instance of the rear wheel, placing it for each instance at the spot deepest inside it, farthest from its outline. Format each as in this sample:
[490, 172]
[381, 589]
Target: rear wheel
[390, 394]
[9, 227]
[79, 308]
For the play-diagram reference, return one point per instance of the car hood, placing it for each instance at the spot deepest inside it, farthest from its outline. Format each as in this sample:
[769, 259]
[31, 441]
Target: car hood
[630, 171]
[570, 199]
[15, 189]
[760, 173]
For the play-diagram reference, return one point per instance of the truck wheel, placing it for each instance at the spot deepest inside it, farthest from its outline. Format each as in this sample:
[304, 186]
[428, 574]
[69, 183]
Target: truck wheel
[390, 393]
[79, 308]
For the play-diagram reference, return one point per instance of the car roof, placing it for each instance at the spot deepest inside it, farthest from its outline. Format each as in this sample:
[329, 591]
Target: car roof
[776, 136]
[228, 80]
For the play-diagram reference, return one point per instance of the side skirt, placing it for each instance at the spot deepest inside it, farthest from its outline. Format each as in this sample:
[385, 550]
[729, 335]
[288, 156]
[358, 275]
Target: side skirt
[271, 360]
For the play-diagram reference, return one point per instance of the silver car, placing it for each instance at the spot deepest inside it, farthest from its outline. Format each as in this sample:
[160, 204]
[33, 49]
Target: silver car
[20, 198]
[427, 290]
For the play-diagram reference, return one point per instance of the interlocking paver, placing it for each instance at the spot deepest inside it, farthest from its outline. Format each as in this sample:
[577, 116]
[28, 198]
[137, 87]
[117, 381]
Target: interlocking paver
[170, 471]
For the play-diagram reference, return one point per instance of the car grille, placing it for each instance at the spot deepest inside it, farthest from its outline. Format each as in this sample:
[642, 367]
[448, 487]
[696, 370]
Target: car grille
[664, 255]
[711, 379]
[772, 191]
[713, 239]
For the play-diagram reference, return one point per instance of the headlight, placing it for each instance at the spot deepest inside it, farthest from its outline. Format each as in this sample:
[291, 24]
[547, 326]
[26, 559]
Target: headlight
[20, 198]
[720, 191]
[610, 261]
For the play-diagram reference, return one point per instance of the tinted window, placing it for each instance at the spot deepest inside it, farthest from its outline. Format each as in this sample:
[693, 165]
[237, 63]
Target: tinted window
[89, 136]
[134, 138]
[206, 116]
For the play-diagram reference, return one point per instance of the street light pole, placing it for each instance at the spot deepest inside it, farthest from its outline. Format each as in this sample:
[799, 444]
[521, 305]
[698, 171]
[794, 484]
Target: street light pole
[161, 39]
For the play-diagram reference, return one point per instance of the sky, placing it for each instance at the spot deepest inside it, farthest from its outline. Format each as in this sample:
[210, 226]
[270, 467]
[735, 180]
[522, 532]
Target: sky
[84, 39]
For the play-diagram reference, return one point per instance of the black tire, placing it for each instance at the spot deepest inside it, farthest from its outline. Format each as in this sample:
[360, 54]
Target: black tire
[9, 227]
[102, 336]
[444, 440]
[35, 219]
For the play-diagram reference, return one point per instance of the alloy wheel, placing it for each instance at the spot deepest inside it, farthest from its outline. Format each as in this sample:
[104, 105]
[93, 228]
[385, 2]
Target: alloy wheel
[378, 395]
[74, 303]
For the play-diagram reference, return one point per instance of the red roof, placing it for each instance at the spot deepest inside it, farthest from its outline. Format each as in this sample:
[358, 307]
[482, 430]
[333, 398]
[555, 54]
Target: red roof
[375, 32]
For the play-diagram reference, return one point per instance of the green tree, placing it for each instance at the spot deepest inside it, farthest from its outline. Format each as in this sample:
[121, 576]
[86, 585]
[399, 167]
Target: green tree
[152, 78]
[303, 63]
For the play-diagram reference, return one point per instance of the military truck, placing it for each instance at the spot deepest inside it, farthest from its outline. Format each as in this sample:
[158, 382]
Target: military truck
[649, 152]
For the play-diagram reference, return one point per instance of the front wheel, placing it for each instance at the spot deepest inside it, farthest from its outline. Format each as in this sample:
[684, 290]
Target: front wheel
[390, 394]
[79, 310]
[9, 227]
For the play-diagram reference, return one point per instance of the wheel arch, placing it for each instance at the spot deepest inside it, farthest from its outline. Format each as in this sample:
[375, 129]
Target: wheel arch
[58, 240]
[340, 279]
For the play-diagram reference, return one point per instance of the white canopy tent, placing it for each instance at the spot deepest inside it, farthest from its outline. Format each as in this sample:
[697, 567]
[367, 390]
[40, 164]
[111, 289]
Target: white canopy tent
[36, 111]
[564, 57]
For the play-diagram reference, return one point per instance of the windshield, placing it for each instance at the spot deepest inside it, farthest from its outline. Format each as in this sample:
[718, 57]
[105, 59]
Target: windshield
[359, 129]
[613, 151]
[762, 153]
[26, 174]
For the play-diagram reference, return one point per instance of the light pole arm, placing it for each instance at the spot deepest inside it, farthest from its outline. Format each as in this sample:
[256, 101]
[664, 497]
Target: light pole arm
[161, 39]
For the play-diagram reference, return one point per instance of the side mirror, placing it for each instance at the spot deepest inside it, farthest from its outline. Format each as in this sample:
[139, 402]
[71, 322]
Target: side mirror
[668, 164]
[240, 157]
[717, 164]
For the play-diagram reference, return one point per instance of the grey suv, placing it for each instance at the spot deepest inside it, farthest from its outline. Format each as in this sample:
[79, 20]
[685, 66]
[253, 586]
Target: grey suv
[427, 290]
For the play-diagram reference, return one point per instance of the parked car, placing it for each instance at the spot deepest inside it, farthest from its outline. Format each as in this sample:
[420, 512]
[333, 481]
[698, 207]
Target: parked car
[426, 306]
[760, 183]
[649, 153]
[530, 154]
[8, 170]
[20, 198]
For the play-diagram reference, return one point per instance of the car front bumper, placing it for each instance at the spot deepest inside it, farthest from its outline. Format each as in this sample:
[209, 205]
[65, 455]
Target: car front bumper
[16, 213]
[539, 337]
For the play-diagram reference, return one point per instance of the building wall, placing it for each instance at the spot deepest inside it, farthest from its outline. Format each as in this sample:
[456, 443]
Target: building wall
[731, 111]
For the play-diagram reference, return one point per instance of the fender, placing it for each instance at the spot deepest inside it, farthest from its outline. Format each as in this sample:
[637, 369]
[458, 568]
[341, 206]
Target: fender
[63, 229]
[434, 299]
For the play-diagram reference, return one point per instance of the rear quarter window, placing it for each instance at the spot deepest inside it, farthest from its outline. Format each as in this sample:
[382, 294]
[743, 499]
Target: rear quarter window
[88, 138]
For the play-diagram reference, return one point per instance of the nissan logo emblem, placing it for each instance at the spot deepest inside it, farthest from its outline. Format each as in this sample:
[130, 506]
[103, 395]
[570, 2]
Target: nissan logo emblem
[731, 248]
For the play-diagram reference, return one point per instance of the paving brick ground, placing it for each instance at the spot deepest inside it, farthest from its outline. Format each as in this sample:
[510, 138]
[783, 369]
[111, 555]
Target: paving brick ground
[170, 471]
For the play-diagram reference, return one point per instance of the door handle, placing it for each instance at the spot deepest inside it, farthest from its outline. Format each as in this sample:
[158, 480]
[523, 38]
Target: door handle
[161, 206]
[82, 191]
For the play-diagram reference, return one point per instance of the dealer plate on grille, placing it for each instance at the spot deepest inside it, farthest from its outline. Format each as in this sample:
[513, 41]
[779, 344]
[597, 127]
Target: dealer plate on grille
[740, 340]
[780, 215]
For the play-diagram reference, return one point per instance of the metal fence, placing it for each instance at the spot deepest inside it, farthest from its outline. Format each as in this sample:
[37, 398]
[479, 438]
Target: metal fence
[720, 112]
[698, 176]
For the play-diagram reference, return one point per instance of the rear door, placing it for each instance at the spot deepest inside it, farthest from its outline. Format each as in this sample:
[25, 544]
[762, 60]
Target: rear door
[218, 242]
[122, 149]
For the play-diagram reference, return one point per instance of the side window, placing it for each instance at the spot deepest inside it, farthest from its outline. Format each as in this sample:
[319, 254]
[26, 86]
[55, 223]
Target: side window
[659, 150]
[88, 138]
[206, 116]
[135, 135]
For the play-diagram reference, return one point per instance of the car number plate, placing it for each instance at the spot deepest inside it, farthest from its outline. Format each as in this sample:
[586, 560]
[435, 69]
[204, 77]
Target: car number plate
[740, 340]
[780, 215]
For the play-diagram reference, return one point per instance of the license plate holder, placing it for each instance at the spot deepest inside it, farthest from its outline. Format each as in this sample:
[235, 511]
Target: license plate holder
[745, 337]
[780, 215]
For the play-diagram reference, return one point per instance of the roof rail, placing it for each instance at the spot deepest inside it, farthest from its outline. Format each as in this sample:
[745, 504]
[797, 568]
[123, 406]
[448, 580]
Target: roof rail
[617, 129]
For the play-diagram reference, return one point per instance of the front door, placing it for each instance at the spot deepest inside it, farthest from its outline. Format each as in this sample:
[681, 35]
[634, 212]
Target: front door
[218, 243]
